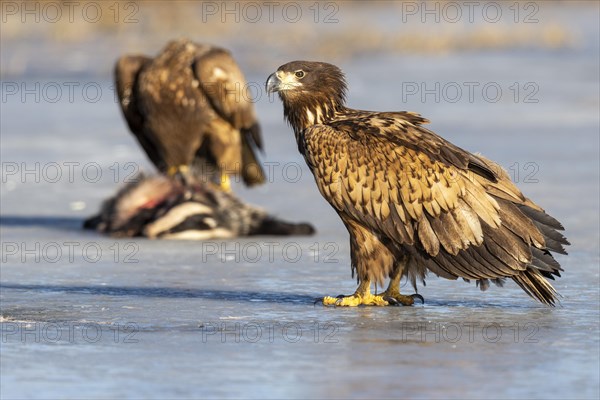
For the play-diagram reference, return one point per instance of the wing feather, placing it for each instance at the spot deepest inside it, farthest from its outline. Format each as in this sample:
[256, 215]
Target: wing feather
[381, 177]
[428, 237]
[127, 71]
[405, 183]
[224, 85]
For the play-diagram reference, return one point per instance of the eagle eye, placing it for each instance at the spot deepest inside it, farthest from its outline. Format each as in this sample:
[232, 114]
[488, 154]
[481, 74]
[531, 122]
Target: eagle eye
[299, 74]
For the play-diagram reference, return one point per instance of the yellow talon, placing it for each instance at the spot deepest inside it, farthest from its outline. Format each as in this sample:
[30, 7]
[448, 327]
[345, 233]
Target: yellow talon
[355, 300]
[362, 296]
[225, 183]
[392, 293]
[173, 170]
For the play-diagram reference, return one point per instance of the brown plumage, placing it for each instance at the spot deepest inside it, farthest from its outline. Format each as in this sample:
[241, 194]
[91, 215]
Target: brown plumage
[189, 111]
[411, 200]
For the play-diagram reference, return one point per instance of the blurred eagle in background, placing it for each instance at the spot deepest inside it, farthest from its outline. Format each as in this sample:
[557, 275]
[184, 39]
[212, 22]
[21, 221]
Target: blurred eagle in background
[188, 110]
[412, 201]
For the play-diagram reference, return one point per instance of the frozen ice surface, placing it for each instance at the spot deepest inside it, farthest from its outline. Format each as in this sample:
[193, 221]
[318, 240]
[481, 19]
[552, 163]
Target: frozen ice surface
[85, 316]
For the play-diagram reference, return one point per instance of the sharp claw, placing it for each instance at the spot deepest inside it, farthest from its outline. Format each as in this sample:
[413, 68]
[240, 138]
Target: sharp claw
[392, 301]
[339, 298]
[416, 296]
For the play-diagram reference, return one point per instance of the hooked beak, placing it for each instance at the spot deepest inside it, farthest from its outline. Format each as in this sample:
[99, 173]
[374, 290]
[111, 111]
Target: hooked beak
[273, 83]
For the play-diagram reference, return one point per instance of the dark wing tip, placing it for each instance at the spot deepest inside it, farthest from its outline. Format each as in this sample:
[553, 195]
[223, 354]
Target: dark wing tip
[255, 132]
[482, 170]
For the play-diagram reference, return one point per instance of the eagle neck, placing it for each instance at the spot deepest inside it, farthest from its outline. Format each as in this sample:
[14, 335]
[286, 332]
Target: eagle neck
[303, 116]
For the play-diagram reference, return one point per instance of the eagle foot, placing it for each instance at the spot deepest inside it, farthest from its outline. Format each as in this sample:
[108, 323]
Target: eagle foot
[225, 183]
[397, 299]
[181, 173]
[355, 300]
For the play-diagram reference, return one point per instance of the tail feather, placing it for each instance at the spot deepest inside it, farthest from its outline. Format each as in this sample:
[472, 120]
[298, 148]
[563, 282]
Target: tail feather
[542, 217]
[536, 286]
[546, 258]
[554, 246]
[551, 233]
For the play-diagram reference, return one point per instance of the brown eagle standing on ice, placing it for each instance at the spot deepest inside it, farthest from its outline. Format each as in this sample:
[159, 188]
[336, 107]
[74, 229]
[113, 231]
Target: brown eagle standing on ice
[411, 200]
[189, 110]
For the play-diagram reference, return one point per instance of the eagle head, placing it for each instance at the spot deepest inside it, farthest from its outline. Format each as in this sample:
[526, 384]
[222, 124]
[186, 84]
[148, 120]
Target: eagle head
[308, 88]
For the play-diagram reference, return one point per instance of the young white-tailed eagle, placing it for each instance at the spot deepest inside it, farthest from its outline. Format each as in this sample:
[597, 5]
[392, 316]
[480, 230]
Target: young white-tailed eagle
[412, 201]
[189, 109]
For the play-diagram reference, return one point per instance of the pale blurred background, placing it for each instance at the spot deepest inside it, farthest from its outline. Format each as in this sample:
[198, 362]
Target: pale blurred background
[73, 39]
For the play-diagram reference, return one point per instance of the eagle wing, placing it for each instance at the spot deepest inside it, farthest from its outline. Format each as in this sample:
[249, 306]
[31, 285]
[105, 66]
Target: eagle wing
[223, 83]
[457, 213]
[127, 71]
